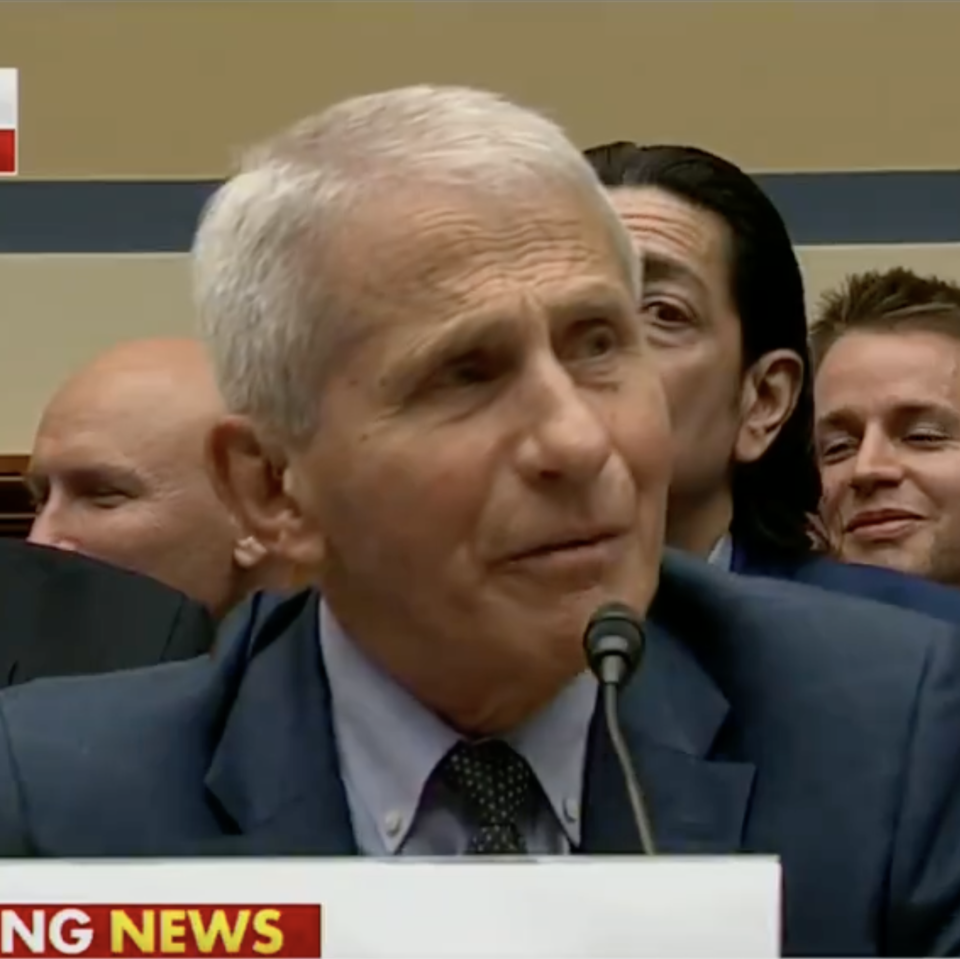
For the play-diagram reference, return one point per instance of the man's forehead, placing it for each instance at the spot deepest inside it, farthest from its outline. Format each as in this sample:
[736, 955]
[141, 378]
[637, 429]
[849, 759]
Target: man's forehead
[155, 395]
[77, 440]
[416, 237]
[121, 422]
[63, 453]
[887, 374]
[658, 220]
[881, 358]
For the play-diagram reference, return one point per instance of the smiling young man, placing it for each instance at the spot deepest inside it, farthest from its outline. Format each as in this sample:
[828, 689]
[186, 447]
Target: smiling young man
[887, 392]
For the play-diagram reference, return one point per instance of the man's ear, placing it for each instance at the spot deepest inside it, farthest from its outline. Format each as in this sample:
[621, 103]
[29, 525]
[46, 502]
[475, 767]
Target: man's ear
[251, 478]
[248, 552]
[769, 396]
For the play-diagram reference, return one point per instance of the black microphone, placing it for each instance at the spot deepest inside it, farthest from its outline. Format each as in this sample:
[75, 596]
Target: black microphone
[614, 643]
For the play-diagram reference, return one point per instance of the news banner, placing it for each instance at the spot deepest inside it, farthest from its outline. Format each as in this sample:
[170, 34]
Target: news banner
[9, 115]
[601, 908]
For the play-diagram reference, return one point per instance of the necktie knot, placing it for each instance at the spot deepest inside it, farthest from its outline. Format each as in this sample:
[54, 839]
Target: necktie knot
[496, 785]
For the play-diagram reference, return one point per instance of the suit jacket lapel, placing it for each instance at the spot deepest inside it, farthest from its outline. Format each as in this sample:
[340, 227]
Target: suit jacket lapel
[275, 774]
[672, 715]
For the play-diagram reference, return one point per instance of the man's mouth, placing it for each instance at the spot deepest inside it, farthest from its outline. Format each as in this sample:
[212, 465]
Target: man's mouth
[569, 544]
[881, 522]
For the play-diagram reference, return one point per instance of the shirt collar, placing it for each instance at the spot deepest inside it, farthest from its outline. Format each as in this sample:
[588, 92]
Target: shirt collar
[389, 743]
[722, 554]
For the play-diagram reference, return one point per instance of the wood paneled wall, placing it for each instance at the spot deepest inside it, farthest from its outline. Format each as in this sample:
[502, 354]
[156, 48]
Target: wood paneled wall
[16, 507]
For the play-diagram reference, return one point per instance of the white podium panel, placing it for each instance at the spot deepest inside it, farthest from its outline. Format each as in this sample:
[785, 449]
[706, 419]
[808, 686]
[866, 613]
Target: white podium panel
[558, 908]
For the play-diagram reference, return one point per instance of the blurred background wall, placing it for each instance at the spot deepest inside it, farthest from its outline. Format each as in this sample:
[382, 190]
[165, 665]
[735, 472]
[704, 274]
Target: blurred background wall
[130, 111]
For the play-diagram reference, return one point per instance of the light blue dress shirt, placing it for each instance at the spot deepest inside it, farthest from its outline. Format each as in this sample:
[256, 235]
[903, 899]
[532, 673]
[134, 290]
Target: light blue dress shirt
[389, 745]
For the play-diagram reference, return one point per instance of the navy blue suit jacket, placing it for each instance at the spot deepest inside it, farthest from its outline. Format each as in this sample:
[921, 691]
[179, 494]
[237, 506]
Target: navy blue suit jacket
[62, 614]
[767, 717]
[872, 582]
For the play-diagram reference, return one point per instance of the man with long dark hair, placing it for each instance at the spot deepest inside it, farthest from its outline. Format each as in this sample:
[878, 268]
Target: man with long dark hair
[723, 304]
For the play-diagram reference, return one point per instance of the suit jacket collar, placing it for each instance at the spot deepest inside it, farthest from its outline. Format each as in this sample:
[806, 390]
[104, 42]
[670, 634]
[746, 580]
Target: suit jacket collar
[771, 564]
[275, 773]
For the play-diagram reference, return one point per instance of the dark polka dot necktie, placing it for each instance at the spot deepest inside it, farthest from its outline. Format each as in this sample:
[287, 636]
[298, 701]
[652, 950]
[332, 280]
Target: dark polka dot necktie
[496, 786]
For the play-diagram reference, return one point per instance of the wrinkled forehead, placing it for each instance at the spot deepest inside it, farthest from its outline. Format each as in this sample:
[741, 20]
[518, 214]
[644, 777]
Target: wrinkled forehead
[883, 370]
[405, 250]
[662, 222]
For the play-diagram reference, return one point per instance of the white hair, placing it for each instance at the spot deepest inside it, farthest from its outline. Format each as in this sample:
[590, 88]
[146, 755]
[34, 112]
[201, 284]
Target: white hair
[267, 302]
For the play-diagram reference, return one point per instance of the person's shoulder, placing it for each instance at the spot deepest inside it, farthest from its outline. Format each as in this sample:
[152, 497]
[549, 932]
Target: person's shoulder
[827, 665]
[885, 585]
[114, 708]
[871, 582]
[44, 565]
[848, 709]
[66, 614]
[102, 708]
[798, 625]
[79, 749]
[44, 577]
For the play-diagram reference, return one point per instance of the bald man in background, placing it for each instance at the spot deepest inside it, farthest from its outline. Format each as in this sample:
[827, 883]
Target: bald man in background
[118, 473]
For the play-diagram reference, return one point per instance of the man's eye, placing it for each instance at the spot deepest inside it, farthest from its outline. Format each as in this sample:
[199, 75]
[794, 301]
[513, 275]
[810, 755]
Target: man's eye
[593, 340]
[926, 437]
[836, 448]
[600, 341]
[666, 313]
[467, 371]
[106, 499]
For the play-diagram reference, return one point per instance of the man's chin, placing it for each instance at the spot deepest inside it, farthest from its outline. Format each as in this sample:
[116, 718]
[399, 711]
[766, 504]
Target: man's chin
[493, 704]
[632, 580]
[897, 557]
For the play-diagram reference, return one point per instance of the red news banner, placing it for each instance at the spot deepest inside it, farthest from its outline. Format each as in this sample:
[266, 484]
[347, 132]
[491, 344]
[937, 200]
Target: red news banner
[8, 152]
[106, 932]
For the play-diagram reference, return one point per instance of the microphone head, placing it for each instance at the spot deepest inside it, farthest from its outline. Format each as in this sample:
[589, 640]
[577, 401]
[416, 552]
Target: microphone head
[613, 643]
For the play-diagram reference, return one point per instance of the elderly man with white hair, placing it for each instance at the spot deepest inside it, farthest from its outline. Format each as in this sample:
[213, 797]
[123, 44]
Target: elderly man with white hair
[422, 311]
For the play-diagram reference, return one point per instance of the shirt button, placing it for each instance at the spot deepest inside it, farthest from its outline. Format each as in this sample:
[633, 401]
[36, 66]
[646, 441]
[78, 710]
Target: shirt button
[393, 822]
[571, 809]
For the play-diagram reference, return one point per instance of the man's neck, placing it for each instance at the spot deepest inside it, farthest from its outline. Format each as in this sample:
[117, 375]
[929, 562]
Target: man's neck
[697, 528]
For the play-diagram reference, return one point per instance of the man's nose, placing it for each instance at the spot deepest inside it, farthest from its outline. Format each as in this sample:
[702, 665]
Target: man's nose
[877, 464]
[567, 438]
[47, 530]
